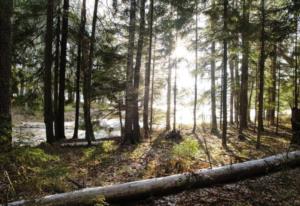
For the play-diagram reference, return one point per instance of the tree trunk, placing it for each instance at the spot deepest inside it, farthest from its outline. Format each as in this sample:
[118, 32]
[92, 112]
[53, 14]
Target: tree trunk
[244, 75]
[196, 73]
[214, 126]
[60, 133]
[232, 82]
[261, 75]
[129, 76]
[256, 94]
[89, 133]
[224, 99]
[120, 102]
[175, 88]
[48, 109]
[163, 185]
[56, 70]
[250, 100]
[295, 120]
[237, 90]
[152, 87]
[278, 100]
[296, 94]
[147, 76]
[169, 80]
[136, 126]
[78, 70]
[272, 101]
[6, 11]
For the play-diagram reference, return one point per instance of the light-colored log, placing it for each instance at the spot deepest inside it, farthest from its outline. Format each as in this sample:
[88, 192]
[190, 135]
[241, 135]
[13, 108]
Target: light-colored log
[158, 186]
[82, 143]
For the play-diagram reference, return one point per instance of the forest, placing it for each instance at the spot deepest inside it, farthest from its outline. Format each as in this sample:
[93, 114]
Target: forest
[149, 102]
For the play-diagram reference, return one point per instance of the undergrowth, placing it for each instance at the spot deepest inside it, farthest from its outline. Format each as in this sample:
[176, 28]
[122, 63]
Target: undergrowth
[26, 169]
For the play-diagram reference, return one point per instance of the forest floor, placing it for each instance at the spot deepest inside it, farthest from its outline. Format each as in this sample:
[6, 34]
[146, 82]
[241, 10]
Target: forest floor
[48, 169]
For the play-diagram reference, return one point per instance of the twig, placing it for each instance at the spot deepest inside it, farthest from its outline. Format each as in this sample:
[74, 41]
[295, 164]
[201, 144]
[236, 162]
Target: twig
[77, 184]
[10, 182]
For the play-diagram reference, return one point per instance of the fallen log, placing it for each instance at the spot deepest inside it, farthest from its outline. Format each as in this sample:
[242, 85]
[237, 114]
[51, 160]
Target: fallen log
[158, 186]
[83, 142]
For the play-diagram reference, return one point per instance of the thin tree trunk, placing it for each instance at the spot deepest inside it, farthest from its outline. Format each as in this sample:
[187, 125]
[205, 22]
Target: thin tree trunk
[48, 109]
[120, 100]
[296, 68]
[56, 70]
[169, 80]
[232, 81]
[221, 100]
[60, 133]
[89, 133]
[152, 87]
[256, 95]
[273, 86]
[278, 100]
[129, 76]
[196, 73]
[78, 70]
[147, 76]
[175, 87]
[214, 126]
[136, 126]
[6, 11]
[237, 90]
[244, 76]
[261, 75]
[224, 99]
[250, 100]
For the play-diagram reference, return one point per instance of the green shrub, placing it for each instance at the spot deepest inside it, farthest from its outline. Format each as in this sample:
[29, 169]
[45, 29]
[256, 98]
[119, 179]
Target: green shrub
[31, 169]
[187, 149]
[183, 154]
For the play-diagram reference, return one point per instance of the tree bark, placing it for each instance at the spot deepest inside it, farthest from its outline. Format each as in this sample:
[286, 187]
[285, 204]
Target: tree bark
[196, 73]
[175, 88]
[261, 75]
[169, 80]
[224, 96]
[250, 100]
[163, 185]
[56, 70]
[296, 93]
[243, 120]
[278, 100]
[78, 69]
[272, 95]
[136, 126]
[147, 76]
[48, 109]
[232, 92]
[60, 133]
[89, 133]
[129, 76]
[6, 11]
[295, 120]
[214, 126]
[237, 90]
[152, 88]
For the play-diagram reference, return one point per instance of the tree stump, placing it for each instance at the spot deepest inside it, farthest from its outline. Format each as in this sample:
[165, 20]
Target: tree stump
[295, 126]
[174, 135]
